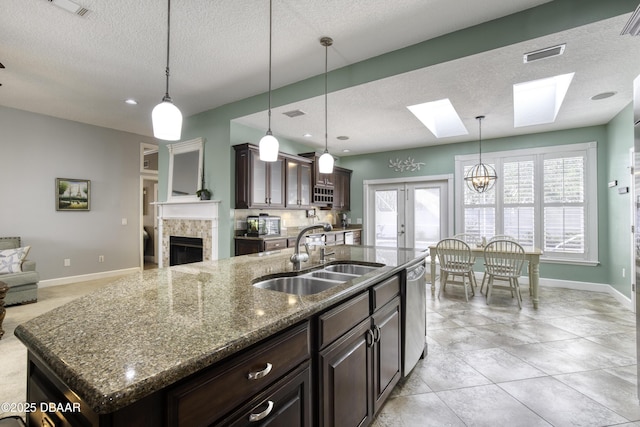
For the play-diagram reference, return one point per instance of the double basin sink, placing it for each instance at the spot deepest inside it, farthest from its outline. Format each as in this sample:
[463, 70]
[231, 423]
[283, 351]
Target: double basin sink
[316, 281]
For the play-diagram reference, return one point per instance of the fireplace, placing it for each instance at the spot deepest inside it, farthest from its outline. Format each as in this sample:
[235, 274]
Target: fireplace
[185, 250]
[191, 220]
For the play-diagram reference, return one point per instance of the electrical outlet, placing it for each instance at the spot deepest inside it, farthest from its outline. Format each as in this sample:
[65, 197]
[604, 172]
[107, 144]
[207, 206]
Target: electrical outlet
[67, 262]
[124, 221]
[624, 272]
[359, 220]
[100, 258]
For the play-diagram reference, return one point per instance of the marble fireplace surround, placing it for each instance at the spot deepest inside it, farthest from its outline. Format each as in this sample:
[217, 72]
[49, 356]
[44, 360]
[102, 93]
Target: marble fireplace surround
[188, 219]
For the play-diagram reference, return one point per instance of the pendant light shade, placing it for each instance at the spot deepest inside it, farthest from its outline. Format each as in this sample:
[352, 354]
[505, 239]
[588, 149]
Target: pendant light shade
[167, 121]
[481, 177]
[269, 148]
[325, 162]
[166, 117]
[269, 144]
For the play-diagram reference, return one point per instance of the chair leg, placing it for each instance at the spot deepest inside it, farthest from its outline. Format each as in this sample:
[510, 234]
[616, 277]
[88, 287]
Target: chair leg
[472, 283]
[489, 289]
[464, 284]
[514, 284]
[484, 278]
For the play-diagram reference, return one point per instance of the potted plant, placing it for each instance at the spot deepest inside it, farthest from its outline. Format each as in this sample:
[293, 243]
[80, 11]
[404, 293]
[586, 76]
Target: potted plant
[204, 194]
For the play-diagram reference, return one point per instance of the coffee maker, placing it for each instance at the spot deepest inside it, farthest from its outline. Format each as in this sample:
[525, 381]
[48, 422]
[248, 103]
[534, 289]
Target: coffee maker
[343, 219]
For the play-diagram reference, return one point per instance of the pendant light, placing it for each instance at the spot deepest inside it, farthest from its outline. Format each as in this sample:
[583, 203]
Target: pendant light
[481, 177]
[269, 143]
[325, 162]
[166, 117]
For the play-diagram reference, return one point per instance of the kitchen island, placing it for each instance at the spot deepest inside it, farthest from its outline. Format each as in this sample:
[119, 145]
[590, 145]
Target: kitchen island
[118, 350]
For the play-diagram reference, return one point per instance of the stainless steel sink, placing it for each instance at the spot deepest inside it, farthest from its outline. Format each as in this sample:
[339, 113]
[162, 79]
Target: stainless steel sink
[315, 281]
[298, 285]
[356, 269]
[330, 275]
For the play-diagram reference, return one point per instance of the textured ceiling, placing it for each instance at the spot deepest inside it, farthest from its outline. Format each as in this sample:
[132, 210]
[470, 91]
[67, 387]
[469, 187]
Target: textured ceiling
[82, 68]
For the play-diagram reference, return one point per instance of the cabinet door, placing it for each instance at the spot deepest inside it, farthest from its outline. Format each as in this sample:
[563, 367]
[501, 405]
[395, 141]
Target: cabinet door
[386, 351]
[293, 184]
[259, 181]
[305, 188]
[276, 183]
[245, 247]
[346, 379]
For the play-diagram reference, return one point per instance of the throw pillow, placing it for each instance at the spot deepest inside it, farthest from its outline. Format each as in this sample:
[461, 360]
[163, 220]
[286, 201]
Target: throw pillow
[11, 259]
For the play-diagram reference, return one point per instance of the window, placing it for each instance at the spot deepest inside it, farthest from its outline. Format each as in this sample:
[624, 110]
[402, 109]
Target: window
[543, 197]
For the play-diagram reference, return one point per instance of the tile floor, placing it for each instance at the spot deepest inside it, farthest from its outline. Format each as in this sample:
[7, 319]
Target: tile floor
[572, 362]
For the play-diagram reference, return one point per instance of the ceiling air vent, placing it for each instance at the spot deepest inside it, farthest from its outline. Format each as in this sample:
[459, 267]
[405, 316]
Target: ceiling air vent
[70, 6]
[547, 52]
[294, 113]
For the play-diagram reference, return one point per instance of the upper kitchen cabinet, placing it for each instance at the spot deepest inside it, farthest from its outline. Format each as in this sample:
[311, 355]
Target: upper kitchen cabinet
[258, 184]
[298, 184]
[341, 188]
[320, 179]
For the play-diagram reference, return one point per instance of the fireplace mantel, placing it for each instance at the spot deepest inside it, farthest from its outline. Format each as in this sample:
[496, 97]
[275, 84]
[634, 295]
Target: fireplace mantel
[188, 219]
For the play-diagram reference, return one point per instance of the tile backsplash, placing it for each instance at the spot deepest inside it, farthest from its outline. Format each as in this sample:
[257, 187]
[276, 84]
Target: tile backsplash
[290, 218]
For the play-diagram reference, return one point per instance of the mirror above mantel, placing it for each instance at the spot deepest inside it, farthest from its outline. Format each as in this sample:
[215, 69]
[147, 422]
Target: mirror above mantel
[185, 170]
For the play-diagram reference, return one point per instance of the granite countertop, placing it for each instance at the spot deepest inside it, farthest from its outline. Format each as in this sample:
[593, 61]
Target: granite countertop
[153, 328]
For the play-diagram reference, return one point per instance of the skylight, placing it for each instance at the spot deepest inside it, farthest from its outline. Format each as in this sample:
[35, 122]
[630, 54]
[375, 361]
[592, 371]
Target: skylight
[538, 102]
[440, 118]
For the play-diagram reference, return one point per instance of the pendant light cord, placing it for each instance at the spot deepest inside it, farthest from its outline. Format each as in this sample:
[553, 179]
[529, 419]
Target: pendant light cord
[326, 67]
[166, 96]
[270, 36]
[480, 138]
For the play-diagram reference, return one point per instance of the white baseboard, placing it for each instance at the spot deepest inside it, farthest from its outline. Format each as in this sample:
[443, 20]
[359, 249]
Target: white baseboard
[86, 277]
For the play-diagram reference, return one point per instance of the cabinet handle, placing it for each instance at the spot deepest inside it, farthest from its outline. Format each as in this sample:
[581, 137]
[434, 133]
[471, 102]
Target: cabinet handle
[260, 374]
[261, 415]
[376, 333]
[370, 338]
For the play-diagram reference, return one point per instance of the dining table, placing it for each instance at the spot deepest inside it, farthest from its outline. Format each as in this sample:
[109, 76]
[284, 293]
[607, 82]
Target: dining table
[532, 257]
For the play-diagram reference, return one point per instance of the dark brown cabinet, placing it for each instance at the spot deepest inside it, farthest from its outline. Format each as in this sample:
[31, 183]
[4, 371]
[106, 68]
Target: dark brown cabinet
[299, 186]
[253, 246]
[258, 184]
[342, 189]
[360, 368]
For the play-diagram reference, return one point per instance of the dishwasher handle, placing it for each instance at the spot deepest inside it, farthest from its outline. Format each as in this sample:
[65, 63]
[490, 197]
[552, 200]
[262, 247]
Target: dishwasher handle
[416, 273]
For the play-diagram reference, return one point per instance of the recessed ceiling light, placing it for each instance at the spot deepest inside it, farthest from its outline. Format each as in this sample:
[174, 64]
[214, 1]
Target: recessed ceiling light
[307, 135]
[342, 137]
[346, 150]
[602, 95]
[131, 101]
[538, 102]
[440, 118]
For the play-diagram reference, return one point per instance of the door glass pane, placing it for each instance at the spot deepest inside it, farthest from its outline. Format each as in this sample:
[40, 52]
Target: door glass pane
[386, 217]
[292, 184]
[258, 179]
[276, 184]
[305, 185]
[426, 217]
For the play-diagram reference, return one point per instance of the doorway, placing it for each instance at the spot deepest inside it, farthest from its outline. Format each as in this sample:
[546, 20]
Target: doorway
[408, 212]
[149, 239]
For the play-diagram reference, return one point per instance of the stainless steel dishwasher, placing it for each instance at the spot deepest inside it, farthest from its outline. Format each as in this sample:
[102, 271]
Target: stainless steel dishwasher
[414, 317]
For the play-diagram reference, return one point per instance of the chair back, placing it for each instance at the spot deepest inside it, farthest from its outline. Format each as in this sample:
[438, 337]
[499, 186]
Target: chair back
[454, 255]
[504, 258]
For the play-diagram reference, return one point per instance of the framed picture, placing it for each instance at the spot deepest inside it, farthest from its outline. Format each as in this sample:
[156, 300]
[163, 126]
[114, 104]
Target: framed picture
[73, 194]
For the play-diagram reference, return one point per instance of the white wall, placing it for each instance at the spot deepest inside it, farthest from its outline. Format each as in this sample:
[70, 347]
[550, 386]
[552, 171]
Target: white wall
[34, 151]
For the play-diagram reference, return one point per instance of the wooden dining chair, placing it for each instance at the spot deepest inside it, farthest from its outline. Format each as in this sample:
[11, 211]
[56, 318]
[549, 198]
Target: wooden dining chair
[455, 259]
[496, 237]
[504, 260]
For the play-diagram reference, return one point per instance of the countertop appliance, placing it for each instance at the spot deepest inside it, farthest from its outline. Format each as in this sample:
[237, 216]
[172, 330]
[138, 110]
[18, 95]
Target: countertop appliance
[414, 317]
[343, 220]
[263, 225]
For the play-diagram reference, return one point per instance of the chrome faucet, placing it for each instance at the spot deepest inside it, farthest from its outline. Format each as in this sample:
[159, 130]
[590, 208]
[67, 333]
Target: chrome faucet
[297, 257]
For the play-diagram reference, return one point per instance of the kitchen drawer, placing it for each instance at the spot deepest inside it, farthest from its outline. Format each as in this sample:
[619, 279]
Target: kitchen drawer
[207, 397]
[342, 318]
[385, 292]
[339, 238]
[274, 244]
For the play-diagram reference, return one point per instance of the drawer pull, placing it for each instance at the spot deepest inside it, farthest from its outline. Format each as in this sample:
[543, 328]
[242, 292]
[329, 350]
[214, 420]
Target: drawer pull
[260, 374]
[261, 415]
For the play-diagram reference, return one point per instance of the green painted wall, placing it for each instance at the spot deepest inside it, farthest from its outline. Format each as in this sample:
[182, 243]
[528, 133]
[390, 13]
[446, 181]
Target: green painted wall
[618, 229]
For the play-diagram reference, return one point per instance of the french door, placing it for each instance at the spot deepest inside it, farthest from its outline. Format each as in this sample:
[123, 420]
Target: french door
[407, 214]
